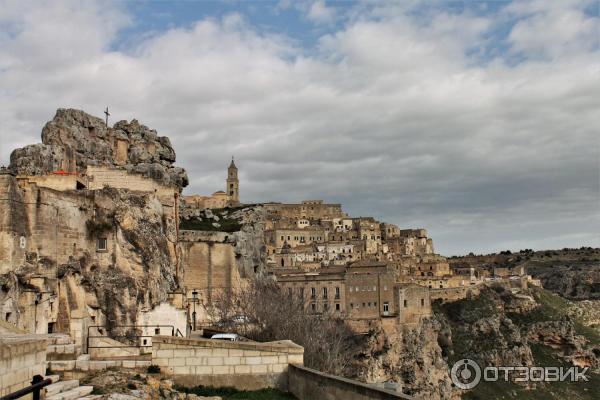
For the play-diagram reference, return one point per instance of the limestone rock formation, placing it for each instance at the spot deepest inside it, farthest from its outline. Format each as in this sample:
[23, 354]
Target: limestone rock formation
[501, 328]
[245, 228]
[100, 255]
[74, 139]
[409, 356]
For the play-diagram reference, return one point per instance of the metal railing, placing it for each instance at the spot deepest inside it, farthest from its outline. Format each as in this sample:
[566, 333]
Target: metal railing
[137, 338]
[37, 384]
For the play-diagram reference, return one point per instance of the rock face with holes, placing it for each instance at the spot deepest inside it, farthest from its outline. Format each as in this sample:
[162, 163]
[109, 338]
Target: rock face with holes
[74, 140]
[74, 255]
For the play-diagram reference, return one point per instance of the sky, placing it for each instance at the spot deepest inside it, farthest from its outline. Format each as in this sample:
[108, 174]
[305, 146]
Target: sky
[475, 120]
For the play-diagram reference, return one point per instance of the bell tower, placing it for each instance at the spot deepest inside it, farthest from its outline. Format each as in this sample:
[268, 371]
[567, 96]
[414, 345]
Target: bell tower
[233, 184]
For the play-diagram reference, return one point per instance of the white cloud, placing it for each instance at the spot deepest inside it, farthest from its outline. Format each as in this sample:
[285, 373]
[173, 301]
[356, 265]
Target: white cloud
[392, 116]
[320, 12]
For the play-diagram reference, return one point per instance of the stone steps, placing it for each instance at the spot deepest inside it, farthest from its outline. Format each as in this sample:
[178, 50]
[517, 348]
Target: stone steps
[61, 386]
[59, 339]
[62, 351]
[91, 397]
[72, 394]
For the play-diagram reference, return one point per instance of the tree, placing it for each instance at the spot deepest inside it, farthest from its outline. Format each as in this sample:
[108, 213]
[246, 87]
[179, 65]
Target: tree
[261, 311]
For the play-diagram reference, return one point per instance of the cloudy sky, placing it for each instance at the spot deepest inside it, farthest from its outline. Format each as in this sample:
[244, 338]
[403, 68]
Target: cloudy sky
[476, 120]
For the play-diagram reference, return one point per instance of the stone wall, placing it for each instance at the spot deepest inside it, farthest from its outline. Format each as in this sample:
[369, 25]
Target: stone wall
[20, 359]
[309, 384]
[453, 294]
[209, 268]
[98, 177]
[243, 365]
[164, 319]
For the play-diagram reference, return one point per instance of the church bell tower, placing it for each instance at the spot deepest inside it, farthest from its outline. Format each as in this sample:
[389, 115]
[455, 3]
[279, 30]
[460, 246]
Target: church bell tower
[233, 184]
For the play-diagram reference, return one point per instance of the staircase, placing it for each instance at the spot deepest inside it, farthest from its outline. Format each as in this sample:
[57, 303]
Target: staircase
[68, 390]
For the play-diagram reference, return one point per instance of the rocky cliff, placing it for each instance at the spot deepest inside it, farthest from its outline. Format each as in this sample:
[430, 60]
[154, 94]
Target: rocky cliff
[74, 258]
[245, 225]
[531, 328]
[74, 139]
[409, 356]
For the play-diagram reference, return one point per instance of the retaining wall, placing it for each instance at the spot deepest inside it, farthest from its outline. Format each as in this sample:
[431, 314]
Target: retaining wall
[219, 363]
[309, 384]
[20, 359]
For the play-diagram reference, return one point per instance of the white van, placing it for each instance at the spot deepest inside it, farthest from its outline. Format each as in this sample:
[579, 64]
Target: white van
[234, 337]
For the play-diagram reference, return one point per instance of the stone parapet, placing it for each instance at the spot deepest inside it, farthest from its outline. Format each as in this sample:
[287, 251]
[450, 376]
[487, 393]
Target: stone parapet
[243, 365]
[309, 384]
[21, 357]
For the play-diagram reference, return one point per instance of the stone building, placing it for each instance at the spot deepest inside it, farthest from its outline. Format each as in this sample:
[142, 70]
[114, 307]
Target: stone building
[360, 291]
[233, 184]
[307, 209]
[370, 287]
[295, 237]
[414, 303]
[219, 199]
[322, 290]
[369, 230]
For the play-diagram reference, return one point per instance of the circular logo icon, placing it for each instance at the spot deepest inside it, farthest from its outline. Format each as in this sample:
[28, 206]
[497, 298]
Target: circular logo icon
[465, 374]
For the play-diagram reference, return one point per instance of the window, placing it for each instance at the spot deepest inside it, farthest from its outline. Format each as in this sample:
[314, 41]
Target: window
[325, 307]
[351, 305]
[386, 307]
[7, 316]
[157, 331]
[364, 305]
[369, 303]
[313, 307]
[337, 306]
[313, 292]
[422, 302]
[337, 292]
[101, 244]
[405, 303]
[301, 292]
[324, 292]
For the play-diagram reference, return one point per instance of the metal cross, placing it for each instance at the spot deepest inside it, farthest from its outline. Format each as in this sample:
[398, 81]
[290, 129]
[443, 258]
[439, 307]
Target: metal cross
[107, 114]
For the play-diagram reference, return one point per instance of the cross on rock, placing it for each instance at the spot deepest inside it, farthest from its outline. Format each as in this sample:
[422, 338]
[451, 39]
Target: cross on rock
[107, 114]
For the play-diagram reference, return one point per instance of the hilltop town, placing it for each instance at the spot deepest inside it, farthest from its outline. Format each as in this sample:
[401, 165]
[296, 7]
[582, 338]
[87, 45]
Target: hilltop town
[105, 263]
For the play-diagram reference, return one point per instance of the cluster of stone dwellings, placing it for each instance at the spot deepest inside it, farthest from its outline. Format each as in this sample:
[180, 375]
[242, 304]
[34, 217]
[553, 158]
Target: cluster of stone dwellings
[90, 239]
[358, 267]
